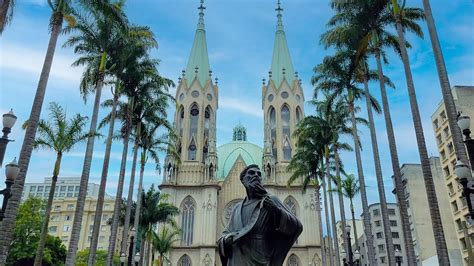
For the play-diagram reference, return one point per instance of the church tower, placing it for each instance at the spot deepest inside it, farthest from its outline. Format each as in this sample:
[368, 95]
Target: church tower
[283, 107]
[195, 118]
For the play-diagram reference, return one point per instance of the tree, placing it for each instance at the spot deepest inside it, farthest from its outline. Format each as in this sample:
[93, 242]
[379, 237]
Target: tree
[27, 234]
[438, 232]
[100, 259]
[6, 13]
[349, 187]
[60, 136]
[162, 243]
[96, 33]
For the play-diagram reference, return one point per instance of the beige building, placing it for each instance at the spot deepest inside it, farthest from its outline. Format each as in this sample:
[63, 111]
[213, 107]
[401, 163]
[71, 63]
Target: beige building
[206, 185]
[341, 235]
[379, 237]
[66, 187]
[62, 214]
[464, 101]
[419, 214]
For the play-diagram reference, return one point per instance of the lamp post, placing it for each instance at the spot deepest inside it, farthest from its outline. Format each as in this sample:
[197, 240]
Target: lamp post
[351, 259]
[464, 122]
[398, 257]
[130, 247]
[463, 173]
[348, 233]
[137, 258]
[11, 172]
[9, 120]
[357, 257]
[123, 257]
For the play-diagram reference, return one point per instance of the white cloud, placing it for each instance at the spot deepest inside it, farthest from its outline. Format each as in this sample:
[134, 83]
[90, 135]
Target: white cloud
[241, 105]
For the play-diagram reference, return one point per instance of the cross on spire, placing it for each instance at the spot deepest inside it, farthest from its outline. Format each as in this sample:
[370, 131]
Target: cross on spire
[201, 7]
[278, 9]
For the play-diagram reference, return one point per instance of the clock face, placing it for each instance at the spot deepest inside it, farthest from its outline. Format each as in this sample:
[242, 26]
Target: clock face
[228, 211]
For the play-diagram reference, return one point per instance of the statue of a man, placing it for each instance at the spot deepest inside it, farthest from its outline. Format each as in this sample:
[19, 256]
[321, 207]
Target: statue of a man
[261, 230]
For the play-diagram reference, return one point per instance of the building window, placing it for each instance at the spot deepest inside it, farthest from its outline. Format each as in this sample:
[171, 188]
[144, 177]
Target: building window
[443, 116]
[442, 153]
[66, 228]
[454, 205]
[67, 218]
[184, 261]
[397, 246]
[379, 235]
[377, 223]
[382, 259]
[450, 188]
[391, 211]
[53, 229]
[395, 235]
[450, 148]
[459, 224]
[298, 114]
[381, 248]
[446, 132]
[439, 140]
[57, 208]
[272, 116]
[463, 243]
[285, 120]
[193, 132]
[180, 121]
[446, 171]
[376, 212]
[436, 124]
[40, 188]
[70, 207]
[54, 218]
[293, 260]
[290, 203]
[393, 223]
[187, 221]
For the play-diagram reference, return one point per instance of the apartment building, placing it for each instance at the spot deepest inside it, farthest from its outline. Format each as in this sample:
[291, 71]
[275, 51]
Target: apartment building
[464, 101]
[419, 214]
[66, 187]
[341, 235]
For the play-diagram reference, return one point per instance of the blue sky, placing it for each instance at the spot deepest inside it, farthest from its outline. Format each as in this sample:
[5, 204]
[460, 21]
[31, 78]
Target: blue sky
[240, 37]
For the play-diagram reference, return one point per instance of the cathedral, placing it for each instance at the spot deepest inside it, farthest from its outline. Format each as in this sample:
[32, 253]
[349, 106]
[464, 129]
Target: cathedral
[205, 183]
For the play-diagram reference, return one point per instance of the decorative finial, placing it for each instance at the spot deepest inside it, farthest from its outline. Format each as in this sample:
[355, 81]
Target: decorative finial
[278, 9]
[201, 15]
[279, 15]
[179, 79]
[296, 74]
[284, 71]
[263, 81]
[216, 80]
[196, 69]
[210, 73]
[270, 74]
[183, 72]
[300, 81]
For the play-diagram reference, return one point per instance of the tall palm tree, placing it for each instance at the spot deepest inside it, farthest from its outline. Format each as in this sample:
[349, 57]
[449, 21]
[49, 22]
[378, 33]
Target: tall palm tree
[61, 136]
[350, 188]
[96, 34]
[6, 13]
[61, 10]
[448, 99]
[162, 243]
[336, 76]
[440, 241]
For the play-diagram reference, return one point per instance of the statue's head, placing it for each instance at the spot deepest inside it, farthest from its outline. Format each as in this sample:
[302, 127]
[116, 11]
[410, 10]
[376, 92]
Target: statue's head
[251, 178]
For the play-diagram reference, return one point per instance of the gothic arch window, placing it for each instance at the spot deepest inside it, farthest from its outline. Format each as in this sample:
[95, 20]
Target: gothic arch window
[181, 121]
[285, 126]
[298, 114]
[184, 261]
[207, 122]
[272, 117]
[192, 150]
[292, 205]
[194, 118]
[211, 172]
[293, 260]
[188, 208]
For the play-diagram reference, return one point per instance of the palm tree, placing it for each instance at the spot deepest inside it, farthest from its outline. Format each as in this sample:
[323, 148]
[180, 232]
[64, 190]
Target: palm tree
[162, 243]
[349, 187]
[96, 34]
[438, 232]
[6, 13]
[61, 136]
[448, 99]
[336, 76]
[61, 10]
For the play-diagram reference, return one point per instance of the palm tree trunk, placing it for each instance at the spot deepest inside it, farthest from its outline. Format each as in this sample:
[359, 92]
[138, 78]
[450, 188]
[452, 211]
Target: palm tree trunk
[8, 223]
[400, 192]
[128, 211]
[378, 173]
[81, 198]
[438, 232]
[4, 7]
[142, 249]
[363, 193]
[103, 183]
[136, 222]
[328, 225]
[47, 214]
[448, 99]
[356, 236]
[333, 215]
[320, 224]
[118, 201]
[340, 196]
[148, 254]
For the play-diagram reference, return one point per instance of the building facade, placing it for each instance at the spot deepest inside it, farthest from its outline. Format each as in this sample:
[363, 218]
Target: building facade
[379, 238]
[62, 216]
[464, 101]
[66, 187]
[419, 214]
[206, 185]
[341, 232]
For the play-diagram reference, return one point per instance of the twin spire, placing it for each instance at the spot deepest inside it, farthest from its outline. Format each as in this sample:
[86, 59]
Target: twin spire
[198, 64]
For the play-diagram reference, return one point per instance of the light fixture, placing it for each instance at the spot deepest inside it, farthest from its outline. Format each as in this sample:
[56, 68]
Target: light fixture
[398, 253]
[9, 120]
[461, 170]
[123, 257]
[464, 122]
[12, 170]
[357, 255]
[137, 257]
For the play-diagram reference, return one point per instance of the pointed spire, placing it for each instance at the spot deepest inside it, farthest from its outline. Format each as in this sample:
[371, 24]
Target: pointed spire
[281, 60]
[198, 64]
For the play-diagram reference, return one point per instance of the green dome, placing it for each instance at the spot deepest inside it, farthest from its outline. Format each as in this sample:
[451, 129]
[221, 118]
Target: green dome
[228, 154]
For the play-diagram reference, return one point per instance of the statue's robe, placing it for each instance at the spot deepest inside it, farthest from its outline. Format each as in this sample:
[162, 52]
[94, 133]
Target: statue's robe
[259, 239]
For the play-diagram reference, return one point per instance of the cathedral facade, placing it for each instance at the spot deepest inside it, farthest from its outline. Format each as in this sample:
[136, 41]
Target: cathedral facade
[204, 184]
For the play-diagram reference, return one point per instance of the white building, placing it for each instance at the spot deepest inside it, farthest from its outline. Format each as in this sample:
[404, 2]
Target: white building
[66, 187]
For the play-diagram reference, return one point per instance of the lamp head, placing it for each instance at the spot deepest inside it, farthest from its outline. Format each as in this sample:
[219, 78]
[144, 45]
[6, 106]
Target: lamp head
[122, 257]
[398, 253]
[461, 170]
[464, 122]
[137, 257]
[9, 119]
[133, 232]
[348, 228]
[12, 170]
[357, 255]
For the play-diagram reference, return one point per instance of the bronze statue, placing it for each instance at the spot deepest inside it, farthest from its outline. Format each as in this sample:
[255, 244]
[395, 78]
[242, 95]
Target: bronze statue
[261, 230]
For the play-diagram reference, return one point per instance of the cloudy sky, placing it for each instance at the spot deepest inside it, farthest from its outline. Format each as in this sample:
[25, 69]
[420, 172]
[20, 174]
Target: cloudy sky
[240, 37]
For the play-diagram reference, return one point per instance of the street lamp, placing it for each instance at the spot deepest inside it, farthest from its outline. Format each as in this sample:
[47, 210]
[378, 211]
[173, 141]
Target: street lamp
[463, 173]
[130, 247]
[343, 255]
[464, 122]
[357, 257]
[137, 258]
[11, 172]
[398, 257]
[9, 120]
[123, 257]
